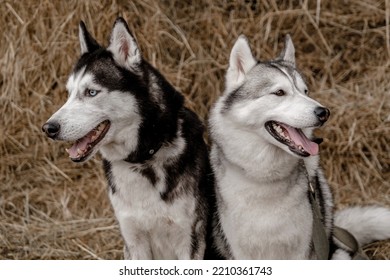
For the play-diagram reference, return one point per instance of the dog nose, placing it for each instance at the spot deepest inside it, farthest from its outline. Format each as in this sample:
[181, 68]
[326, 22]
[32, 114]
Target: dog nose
[51, 129]
[322, 114]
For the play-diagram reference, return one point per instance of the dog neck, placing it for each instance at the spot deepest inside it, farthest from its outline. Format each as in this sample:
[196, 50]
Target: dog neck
[253, 156]
[145, 153]
[159, 126]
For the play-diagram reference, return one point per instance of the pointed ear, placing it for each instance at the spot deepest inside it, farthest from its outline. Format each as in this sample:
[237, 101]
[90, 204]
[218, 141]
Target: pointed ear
[123, 45]
[240, 62]
[288, 53]
[87, 42]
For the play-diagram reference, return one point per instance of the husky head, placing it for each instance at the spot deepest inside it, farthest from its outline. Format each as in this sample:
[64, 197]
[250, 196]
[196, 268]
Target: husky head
[107, 95]
[271, 99]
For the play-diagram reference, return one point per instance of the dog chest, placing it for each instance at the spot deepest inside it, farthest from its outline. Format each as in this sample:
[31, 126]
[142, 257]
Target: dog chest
[140, 209]
[137, 194]
[264, 221]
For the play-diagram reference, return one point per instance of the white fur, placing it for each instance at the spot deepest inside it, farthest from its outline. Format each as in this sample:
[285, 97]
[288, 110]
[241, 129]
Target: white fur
[152, 228]
[367, 224]
[241, 61]
[81, 113]
[258, 204]
[124, 47]
[288, 54]
[262, 192]
[157, 221]
[340, 254]
[253, 212]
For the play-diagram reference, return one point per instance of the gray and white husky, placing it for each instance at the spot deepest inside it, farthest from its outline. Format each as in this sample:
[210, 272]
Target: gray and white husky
[264, 155]
[154, 156]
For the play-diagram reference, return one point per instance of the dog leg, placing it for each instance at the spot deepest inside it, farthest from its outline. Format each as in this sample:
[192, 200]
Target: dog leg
[137, 245]
[192, 246]
[198, 253]
[126, 253]
[137, 250]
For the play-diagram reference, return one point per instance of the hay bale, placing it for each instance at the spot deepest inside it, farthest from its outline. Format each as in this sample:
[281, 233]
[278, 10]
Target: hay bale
[51, 208]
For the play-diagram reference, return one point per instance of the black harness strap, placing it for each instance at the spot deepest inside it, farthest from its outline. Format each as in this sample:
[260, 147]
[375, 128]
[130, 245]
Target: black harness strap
[319, 237]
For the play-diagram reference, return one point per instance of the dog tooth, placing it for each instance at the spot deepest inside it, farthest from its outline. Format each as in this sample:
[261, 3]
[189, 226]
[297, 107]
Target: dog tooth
[79, 151]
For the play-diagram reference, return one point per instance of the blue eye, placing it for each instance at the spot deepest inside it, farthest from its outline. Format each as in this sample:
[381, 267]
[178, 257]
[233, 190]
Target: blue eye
[91, 92]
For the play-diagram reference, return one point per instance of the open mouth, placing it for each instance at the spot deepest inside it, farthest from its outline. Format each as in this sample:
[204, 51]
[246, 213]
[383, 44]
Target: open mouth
[293, 138]
[83, 147]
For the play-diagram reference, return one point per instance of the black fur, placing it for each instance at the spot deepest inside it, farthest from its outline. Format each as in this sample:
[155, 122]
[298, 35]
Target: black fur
[149, 173]
[319, 196]
[107, 172]
[190, 162]
[91, 43]
[158, 126]
[189, 174]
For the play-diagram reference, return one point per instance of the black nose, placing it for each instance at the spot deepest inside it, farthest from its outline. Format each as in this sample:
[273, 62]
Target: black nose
[322, 114]
[51, 129]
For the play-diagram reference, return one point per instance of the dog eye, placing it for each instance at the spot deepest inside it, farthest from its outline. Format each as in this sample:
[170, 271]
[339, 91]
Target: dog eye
[91, 92]
[280, 92]
[306, 92]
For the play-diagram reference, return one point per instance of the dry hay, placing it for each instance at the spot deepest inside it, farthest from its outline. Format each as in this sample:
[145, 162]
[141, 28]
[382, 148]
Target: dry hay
[51, 208]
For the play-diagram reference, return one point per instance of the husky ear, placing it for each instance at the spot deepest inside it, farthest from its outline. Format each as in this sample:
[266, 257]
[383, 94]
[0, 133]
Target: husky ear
[288, 53]
[240, 62]
[123, 45]
[87, 42]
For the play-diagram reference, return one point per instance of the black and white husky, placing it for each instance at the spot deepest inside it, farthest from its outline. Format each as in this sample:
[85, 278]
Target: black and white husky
[264, 156]
[154, 155]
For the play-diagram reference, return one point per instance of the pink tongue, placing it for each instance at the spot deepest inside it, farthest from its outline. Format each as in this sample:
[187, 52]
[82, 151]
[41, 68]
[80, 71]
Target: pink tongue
[299, 138]
[80, 144]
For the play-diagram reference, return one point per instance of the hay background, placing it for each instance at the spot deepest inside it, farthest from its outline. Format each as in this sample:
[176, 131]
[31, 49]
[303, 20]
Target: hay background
[51, 208]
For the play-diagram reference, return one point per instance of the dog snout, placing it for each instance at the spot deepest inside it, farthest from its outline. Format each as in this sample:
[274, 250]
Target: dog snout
[322, 114]
[51, 129]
